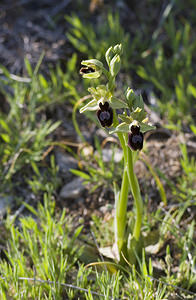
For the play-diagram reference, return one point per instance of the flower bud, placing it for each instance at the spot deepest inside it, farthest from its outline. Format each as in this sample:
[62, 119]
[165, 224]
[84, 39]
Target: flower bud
[135, 138]
[109, 55]
[118, 49]
[130, 95]
[105, 114]
[115, 65]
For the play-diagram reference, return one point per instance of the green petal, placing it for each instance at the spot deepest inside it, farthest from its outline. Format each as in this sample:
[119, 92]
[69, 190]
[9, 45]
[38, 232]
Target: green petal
[92, 62]
[92, 75]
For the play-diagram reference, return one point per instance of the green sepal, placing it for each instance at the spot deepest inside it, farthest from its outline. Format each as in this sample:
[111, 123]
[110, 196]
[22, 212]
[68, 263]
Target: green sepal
[126, 119]
[138, 102]
[116, 103]
[146, 127]
[100, 93]
[123, 127]
[138, 114]
[92, 105]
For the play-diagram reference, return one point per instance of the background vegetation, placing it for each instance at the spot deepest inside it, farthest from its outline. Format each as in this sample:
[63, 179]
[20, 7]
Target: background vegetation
[47, 239]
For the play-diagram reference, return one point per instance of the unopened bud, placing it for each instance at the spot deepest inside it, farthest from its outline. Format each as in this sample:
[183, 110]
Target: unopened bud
[109, 55]
[115, 65]
[118, 49]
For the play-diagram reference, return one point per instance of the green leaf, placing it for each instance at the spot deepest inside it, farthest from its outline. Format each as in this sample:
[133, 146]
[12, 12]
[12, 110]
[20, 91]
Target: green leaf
[5, 126]
[80, 174]
[192, 90]
[43, 81]
[53, 127]
[30, 208]
[5, 71]
[28, 67]
[5, 137]
[71, 65]
[193, 128]
[142, 73]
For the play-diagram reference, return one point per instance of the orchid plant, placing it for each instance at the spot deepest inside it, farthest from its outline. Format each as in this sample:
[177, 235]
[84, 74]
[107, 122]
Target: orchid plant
[129, 127]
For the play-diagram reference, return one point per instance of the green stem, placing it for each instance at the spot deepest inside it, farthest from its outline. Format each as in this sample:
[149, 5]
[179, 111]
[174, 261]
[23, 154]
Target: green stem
[75, 123]
[121, 202]
[136, 195]
[121, 211]
[129, 179]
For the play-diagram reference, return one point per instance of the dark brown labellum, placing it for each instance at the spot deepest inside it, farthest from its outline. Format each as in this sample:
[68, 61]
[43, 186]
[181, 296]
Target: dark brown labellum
[105, 114]
[135, 138]
[86, 70]
[135, 129]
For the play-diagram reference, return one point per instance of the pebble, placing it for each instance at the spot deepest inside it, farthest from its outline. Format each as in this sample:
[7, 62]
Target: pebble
[73, 189]
[65, 162]
[5, 203]
[107, 155]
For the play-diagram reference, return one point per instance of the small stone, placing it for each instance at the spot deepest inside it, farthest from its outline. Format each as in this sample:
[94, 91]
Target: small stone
[107, 155]
[5, 203]
[65, 162]
[73, 189]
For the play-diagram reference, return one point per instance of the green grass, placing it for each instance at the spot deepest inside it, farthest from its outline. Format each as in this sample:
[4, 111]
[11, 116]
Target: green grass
[44, 251]
[164, 60]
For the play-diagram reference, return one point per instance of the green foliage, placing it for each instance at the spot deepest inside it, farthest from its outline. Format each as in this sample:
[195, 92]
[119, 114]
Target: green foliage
[187, 181]
[44, 249]
[93, 43]
[169, 67]
[24, 130]
[165, 63]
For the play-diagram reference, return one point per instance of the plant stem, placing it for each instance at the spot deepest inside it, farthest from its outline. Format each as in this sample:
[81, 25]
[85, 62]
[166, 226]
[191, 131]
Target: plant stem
[121, 212]
[121, 202]
[129, 179]
[136, 195]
